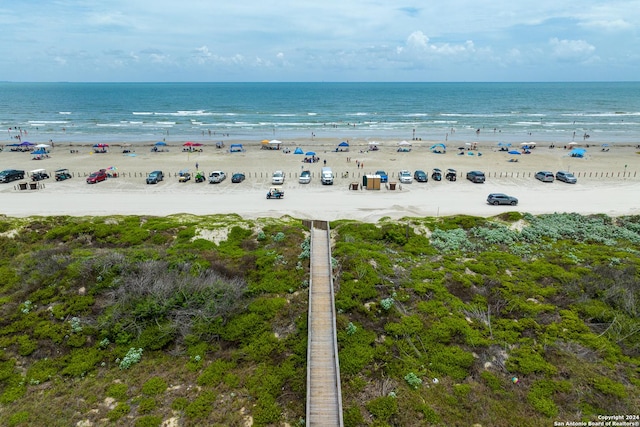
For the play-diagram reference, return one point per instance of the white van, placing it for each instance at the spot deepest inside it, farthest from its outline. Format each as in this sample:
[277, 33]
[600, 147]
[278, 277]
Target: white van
[327, 176]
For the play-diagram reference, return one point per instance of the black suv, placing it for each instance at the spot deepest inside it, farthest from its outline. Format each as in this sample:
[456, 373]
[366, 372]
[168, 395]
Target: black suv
[476, 177]
[11, 175]
[155, 177]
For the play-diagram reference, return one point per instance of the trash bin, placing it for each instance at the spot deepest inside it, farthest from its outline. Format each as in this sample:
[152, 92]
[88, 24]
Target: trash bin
[354, 186]
[392, 186]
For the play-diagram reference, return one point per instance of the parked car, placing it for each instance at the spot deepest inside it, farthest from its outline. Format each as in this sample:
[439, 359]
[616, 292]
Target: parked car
[237, 177]
[216, 177]
[62, 174]
[436, 174]
[544, 176]
[404, 176]
[305, 177]
[277, 178]
[383, 176]
[566, 176]
[96, 177]
[476, 177]
[155, 177]
[9, 175]
[420, 176]
[38, 175]
[501, 199]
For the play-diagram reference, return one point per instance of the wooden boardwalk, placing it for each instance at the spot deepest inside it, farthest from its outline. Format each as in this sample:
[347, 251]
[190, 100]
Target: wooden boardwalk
[324, 396]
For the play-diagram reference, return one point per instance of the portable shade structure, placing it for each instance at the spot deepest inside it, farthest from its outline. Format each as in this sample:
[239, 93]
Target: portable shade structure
[577, 152]
[236, 148]
[160, 143]
[504, 144]
[298, 150]
[438, 148]
[404, 143]
[515, 152]
[43, 146]
[310, 153]
[343, 146]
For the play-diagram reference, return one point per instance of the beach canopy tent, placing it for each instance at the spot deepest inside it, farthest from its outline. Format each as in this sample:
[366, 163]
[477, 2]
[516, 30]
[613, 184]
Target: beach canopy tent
[26, 144]
[343, 146]
[274, 144]
[439, 148]
[236, 148]
[298, 150]
[577, 152]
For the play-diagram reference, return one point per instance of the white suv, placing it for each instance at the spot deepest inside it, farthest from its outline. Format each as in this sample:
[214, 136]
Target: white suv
[277, 178]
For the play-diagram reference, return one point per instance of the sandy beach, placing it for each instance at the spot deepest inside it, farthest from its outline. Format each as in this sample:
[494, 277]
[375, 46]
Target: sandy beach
[608, 181]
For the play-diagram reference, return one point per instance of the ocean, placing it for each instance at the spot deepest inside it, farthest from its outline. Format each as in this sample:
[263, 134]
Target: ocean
[177, 112]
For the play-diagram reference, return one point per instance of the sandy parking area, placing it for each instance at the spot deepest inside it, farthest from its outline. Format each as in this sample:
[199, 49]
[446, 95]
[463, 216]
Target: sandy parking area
[608, 182]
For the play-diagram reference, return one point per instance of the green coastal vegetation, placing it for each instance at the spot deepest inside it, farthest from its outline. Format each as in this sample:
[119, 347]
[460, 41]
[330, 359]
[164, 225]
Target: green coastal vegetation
[202, 320]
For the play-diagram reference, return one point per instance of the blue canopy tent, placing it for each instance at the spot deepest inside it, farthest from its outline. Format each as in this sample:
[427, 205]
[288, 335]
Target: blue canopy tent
[577, 152]
[236, 148]
[343, 146]
[298, 150]
[438, 148]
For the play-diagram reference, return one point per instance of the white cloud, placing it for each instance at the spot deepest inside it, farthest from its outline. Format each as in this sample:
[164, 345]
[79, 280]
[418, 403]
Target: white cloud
[571, 50]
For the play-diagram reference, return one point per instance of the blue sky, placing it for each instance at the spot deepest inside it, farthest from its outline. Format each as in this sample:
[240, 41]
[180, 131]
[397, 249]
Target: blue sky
[327, 40]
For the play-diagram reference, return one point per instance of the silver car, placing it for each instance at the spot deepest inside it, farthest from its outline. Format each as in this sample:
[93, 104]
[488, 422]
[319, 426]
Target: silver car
[567, 177]
[545, 176]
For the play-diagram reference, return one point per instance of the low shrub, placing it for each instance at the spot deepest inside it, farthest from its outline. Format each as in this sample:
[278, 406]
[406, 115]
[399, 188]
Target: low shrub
[149, 421]
[202, 406]
[382, 408]
[118, 412]
[154, 386]
[118, 391]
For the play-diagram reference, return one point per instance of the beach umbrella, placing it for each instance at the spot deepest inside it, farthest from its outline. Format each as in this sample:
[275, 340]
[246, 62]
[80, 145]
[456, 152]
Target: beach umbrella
[43, 146]
[438, 146]
[404, 143]
[373, 143]
[310, 153]
[275, 142]
[515, 152]
[572, 143]
[605, 145]
[188, 144]
[343, 144]
[39, 151]
[504, 144]
[160, 143]
[197, 144]
[101, 145]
